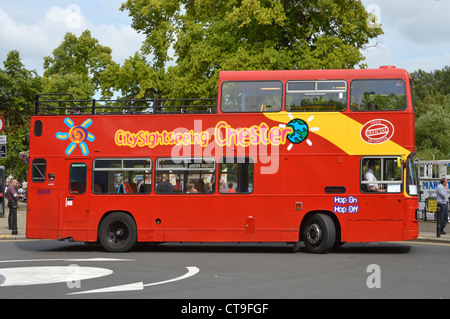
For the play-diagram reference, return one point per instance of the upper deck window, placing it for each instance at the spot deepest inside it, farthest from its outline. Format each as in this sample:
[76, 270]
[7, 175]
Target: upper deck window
[372, 95]
[305, 96]
[252, 96]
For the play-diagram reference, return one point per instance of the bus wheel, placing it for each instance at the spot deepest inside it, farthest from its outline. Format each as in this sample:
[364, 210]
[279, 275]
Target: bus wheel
[118, 232]
[319, 234]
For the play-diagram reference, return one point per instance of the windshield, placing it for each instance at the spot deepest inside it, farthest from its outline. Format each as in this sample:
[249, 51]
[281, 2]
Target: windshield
[411, 178]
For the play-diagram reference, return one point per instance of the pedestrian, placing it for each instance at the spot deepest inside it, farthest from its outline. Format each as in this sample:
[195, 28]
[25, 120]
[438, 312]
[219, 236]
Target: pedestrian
[442, 199]
[12, 196]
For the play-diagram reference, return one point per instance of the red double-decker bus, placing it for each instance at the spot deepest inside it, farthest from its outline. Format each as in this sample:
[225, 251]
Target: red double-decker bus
[321, 157]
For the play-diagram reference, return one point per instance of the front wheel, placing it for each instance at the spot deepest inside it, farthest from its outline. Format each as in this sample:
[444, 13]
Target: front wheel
[319, 234]
[118, 232]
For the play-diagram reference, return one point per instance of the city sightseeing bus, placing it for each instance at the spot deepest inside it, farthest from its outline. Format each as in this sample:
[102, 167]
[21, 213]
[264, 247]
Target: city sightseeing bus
[322, 157]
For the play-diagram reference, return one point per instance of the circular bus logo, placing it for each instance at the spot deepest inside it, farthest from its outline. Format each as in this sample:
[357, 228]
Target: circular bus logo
[377, 131]
[300, 131]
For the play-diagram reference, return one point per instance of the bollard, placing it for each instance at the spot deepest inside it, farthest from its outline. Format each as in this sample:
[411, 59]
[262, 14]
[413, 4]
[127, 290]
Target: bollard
[438, 223]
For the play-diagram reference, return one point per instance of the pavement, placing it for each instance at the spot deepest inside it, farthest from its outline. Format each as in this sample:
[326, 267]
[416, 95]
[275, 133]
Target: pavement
[5, 233]
[427, 229]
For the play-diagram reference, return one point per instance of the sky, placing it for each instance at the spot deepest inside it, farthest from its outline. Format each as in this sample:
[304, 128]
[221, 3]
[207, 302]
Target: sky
[416, 32]
[36, 27]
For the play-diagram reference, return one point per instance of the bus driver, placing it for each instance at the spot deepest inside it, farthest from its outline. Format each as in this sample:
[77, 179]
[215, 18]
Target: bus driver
[370, 177]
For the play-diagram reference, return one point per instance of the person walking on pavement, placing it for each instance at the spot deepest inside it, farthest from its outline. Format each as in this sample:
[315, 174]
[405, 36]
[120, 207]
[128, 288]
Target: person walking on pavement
[12, 196]
[442, 198]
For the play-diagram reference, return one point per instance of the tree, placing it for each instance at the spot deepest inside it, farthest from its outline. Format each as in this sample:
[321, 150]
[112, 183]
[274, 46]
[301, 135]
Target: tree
[17, 89]
[76, 65]
[207, 36]
[432, 101]
[430, 88]
[134, 79]
[432, 131]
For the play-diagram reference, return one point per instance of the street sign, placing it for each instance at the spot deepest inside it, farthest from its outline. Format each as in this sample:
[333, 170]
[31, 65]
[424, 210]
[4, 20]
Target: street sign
[2, 125]
[2, 151]
[3, 142]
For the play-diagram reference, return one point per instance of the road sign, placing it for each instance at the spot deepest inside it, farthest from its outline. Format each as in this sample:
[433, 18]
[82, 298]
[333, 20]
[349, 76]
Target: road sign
[2, 125]
[2, 151]
[3, 142]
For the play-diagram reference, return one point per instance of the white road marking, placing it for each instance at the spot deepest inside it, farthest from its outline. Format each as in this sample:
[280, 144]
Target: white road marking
[191, 272]
[128, 287]
[24, 276]
[138, 285]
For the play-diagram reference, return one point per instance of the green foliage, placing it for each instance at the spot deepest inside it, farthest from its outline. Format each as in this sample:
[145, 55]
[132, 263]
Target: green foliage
[133, 79]
[432, 100]
[72, 83]
[16, 144]
[76, 66]
[433, 131]
[17, 89]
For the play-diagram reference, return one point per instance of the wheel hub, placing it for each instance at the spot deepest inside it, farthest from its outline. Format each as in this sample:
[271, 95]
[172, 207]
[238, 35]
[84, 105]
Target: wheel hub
[314, 234]
[118, 233]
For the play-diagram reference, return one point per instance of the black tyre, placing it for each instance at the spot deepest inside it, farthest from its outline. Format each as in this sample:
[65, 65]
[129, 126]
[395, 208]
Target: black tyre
[319, 234]
[118, 232]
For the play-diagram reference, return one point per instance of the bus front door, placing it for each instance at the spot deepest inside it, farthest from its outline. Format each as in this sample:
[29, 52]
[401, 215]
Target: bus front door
[75, 202]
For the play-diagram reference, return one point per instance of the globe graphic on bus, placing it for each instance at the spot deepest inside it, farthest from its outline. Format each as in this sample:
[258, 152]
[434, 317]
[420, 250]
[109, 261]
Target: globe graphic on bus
[300, 131]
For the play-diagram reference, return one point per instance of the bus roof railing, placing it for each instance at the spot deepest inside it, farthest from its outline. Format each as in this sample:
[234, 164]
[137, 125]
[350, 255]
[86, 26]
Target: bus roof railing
[67, 104]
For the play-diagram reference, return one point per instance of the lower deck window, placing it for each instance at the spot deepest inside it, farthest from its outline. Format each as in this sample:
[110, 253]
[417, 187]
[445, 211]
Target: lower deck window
[122, 176]
[77, 178]
[236, 175]
[38, 170]
[185, 176]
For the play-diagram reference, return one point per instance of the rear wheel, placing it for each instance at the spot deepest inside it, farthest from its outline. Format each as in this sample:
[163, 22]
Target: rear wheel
[118, 232]
[319, 233]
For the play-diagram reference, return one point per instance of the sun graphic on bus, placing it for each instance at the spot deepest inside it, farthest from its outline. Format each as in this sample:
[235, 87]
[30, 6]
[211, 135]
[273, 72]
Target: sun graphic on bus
[300, 131]
[77, 136]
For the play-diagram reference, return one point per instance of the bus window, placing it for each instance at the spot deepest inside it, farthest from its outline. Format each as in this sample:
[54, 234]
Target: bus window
[236, 175]
[185, 176]
[381, 174]
[372, 95]
[316, 96]
[77, 178]
[122, 176]
[252, 96]
[38, 170]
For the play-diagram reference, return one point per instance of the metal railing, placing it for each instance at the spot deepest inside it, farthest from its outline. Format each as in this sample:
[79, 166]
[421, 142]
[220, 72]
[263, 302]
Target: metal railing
[67, 104]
